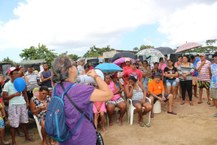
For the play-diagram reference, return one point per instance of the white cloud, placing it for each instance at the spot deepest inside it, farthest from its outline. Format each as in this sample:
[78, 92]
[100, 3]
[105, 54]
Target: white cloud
[193, 23]
[75, 25]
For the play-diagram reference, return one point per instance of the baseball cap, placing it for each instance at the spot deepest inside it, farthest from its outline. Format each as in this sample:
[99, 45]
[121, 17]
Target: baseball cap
[11, 69]
[127, 59]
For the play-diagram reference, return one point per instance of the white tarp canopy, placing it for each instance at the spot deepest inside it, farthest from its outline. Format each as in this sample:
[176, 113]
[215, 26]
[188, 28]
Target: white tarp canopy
[151, 55]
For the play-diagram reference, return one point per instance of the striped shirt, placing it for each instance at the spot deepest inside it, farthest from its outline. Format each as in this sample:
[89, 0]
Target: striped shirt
[185, 70]
[204, 74]
[32, 81]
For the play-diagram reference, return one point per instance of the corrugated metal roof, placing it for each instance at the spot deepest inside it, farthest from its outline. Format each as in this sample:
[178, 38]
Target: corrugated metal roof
[37, 61]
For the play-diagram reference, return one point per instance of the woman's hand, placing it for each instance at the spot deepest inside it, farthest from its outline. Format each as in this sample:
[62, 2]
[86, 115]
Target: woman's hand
[91, 73]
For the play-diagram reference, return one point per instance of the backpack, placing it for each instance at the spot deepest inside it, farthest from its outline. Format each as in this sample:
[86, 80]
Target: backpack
[55, 121]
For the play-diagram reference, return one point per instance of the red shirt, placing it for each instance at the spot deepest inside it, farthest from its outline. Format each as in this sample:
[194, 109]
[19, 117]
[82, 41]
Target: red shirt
[136, 73]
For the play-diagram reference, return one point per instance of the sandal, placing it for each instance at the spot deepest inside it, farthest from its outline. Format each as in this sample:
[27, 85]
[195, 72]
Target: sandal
[141, 124]
[191, 103]
[173, 113]
[200, 102]
[183, 102]
[6, 143]
[209, 103]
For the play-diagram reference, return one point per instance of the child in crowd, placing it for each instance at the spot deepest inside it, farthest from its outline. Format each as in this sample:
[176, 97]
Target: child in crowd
[99, 110]
[2, 124]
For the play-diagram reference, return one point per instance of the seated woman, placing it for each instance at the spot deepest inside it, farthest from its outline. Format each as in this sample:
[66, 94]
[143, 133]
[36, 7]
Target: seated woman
[136, 91]
[116, 101]
[38, 106]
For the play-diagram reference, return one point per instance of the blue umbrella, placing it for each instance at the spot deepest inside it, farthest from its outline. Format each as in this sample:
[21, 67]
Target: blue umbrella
[108, 67]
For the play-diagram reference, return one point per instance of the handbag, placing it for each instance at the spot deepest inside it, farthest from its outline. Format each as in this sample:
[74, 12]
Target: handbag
[99, 140]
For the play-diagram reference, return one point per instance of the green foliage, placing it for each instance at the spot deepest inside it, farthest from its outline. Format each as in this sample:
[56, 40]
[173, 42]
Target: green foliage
[211, 42]
[142, 47]
[136, 49]
[145, 47]
[72, 56]
[40, 52]
[96, 52]
[8, 60]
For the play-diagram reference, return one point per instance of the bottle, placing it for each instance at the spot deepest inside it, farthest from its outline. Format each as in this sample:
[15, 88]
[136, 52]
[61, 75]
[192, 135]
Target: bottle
[85, 79]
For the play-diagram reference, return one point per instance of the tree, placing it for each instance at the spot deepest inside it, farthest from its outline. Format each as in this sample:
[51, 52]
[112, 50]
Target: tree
[72, 56]
[136, 49]
[8, 60]
[211, 42]
[145, 47]
[40, 52]
[96, 52]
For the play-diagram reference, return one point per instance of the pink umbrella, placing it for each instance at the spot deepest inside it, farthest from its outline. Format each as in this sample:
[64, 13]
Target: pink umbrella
[187, 46]
[122, 60]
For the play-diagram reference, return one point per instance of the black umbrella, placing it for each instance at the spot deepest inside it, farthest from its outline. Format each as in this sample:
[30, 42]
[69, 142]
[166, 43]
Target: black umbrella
[124, 54]
[165, 50]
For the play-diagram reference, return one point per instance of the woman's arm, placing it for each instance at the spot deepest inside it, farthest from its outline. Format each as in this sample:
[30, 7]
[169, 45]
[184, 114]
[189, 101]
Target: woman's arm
[117, 89]
[143, 89]
[129, 91]
[103, 93]
[35, 110]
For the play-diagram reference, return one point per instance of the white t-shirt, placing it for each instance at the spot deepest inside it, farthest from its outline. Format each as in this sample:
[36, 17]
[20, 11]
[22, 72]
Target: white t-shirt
[9, 88]
[80, 70]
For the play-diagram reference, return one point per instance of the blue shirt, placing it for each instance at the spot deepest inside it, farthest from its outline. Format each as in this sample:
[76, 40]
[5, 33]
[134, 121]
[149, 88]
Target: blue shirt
[213, 82]
[196, 73]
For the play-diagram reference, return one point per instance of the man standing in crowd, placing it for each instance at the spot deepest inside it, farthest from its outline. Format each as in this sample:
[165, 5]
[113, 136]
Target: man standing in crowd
[80, 67]
[204, 75]
[194, 61]
[213, 85]
[18, 105]
[46, 76]
[32, 81]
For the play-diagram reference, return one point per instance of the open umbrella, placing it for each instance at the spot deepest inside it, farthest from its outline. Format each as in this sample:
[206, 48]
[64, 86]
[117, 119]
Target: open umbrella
[187, 46]
[124, 54]
[108, 67]
[150, 54]
[121, 60]
[165, 50]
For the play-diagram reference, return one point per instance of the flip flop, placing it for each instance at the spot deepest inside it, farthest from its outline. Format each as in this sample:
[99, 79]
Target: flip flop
[200, 102]
[173, 113]
[183, 102]
[6, 143]
[141, 124]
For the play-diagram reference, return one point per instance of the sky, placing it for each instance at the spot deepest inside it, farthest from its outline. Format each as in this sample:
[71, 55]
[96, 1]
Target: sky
[76, 25]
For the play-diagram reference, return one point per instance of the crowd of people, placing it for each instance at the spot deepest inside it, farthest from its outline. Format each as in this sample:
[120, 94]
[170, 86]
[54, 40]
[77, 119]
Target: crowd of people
[166, 81]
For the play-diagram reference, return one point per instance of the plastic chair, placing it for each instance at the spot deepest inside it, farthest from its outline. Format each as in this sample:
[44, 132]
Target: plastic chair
[38, 126]
[131, 109]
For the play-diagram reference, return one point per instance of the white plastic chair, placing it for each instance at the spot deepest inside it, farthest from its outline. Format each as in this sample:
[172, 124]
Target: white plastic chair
[38, 126]
[131, 109]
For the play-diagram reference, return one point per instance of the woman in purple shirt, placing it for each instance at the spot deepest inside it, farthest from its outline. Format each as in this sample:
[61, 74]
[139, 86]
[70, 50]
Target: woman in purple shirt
[65, 71]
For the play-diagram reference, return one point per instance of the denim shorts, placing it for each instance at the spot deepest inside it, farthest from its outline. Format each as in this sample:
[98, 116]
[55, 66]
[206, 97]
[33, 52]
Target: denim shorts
[172, 83]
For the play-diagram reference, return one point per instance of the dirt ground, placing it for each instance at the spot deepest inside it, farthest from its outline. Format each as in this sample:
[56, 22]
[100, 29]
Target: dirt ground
[193, 125]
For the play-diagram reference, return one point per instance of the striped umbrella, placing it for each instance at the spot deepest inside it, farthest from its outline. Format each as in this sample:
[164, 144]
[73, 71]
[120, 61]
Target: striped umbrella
[187, 46]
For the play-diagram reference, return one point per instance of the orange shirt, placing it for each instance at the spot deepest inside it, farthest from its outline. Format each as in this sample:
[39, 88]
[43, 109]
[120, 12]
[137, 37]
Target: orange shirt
[155, 88]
